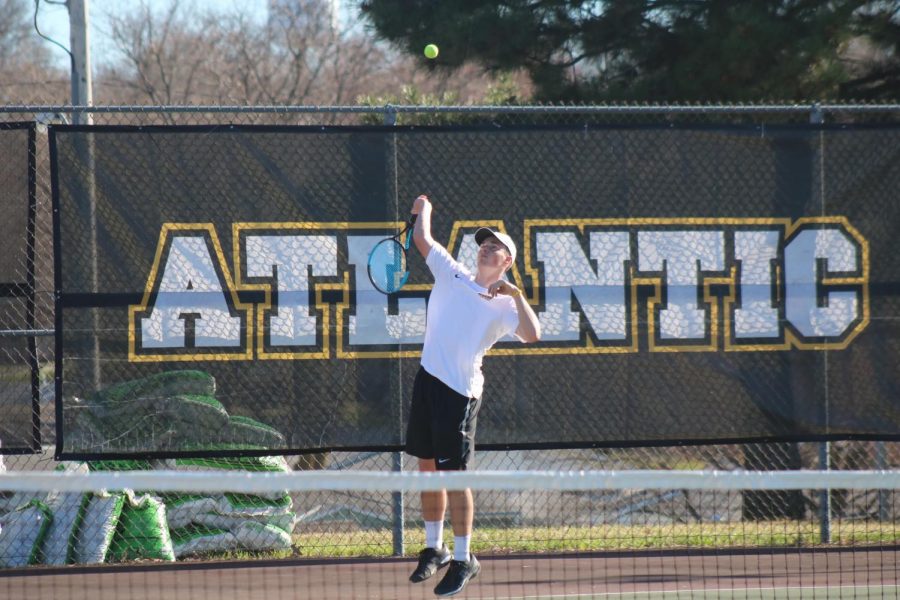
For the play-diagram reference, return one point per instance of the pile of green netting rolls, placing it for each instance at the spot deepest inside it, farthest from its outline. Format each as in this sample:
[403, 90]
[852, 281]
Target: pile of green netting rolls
[82, 528]
[175, 410]
[172, 411]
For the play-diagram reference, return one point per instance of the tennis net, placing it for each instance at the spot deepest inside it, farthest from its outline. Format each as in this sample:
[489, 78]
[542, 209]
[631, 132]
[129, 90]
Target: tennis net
[85, 531]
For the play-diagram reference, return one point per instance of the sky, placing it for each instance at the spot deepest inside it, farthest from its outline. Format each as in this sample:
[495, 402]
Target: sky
[53, 21]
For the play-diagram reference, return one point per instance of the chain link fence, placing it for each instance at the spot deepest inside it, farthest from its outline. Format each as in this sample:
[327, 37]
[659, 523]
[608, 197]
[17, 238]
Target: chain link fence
[27, 321]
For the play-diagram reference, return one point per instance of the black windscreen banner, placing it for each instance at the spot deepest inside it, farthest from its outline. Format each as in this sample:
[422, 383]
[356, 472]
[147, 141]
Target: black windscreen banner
[19, 384]
[694, 285]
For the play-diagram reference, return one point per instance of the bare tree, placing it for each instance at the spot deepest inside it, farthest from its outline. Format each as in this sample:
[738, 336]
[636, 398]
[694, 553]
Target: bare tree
[167, 58]
[26, 71]
[301, 55]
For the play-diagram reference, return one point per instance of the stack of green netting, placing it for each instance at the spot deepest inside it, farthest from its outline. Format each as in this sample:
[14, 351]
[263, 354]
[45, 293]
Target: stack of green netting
[68, 528]
[173, 411]
[176, 410]
[227, 522]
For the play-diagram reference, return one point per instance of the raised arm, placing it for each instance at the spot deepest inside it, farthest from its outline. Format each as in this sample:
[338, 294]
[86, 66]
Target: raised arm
[422, 230]
[529, 329]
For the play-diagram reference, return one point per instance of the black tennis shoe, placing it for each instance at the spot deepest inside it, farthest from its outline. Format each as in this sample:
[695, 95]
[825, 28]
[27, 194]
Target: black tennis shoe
[430, 560]
[458, 575]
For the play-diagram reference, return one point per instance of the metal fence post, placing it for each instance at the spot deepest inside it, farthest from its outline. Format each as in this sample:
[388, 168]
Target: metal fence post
[825, 495]
[881, 464]
[817, 117]
[397, 504]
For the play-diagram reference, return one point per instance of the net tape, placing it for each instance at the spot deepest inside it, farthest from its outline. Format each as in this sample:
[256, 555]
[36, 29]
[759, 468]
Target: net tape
[175, 481]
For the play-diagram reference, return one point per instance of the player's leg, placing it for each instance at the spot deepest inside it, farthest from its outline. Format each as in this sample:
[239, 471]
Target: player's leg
[434, 504]
[420, 443]
[462, 514]
[457, 448]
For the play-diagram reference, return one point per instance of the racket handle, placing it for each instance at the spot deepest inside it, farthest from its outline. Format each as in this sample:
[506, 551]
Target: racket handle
[408, 230]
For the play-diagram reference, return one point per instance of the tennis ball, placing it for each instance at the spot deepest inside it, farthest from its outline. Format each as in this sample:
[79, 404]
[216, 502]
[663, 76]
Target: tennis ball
[431, 51]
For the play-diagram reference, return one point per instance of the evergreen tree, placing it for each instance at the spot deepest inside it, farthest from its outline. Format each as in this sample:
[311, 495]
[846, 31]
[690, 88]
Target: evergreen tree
[659, 50]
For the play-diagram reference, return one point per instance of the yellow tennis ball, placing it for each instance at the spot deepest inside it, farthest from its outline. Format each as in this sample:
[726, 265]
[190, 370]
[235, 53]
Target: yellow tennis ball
[431, 51]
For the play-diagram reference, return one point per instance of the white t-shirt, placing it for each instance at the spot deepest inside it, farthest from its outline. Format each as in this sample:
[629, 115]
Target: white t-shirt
[461, 325]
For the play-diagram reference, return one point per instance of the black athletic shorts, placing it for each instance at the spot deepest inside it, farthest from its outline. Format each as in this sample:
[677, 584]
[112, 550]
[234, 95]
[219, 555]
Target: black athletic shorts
[441, 423]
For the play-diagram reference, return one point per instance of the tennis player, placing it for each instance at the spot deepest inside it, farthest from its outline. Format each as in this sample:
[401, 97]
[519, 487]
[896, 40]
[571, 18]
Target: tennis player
[461, 325]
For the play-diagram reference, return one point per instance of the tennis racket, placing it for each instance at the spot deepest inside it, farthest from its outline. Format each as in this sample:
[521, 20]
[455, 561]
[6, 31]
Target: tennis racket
[388, 266]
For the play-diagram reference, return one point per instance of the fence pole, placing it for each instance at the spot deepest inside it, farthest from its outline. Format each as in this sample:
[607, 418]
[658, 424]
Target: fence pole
[80, 41]
[881, 464]
[397, 505]
[817, 117]
[825, 495]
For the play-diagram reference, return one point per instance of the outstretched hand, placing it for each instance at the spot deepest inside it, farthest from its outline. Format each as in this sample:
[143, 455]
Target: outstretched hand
[420, 204]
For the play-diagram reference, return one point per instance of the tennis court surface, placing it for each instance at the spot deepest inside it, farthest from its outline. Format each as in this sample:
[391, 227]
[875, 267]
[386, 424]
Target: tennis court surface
[772, 574]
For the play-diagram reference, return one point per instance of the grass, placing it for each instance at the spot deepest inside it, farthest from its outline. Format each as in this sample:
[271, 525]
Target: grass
[378, 543]
[241, 555]
[607, 537]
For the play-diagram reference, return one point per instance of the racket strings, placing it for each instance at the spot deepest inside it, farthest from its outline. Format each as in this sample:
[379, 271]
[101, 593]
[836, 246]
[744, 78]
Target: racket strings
[388, 266]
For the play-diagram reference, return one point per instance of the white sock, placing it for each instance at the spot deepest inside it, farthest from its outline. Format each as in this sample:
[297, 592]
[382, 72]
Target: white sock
[461, 547]
[434, 534]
